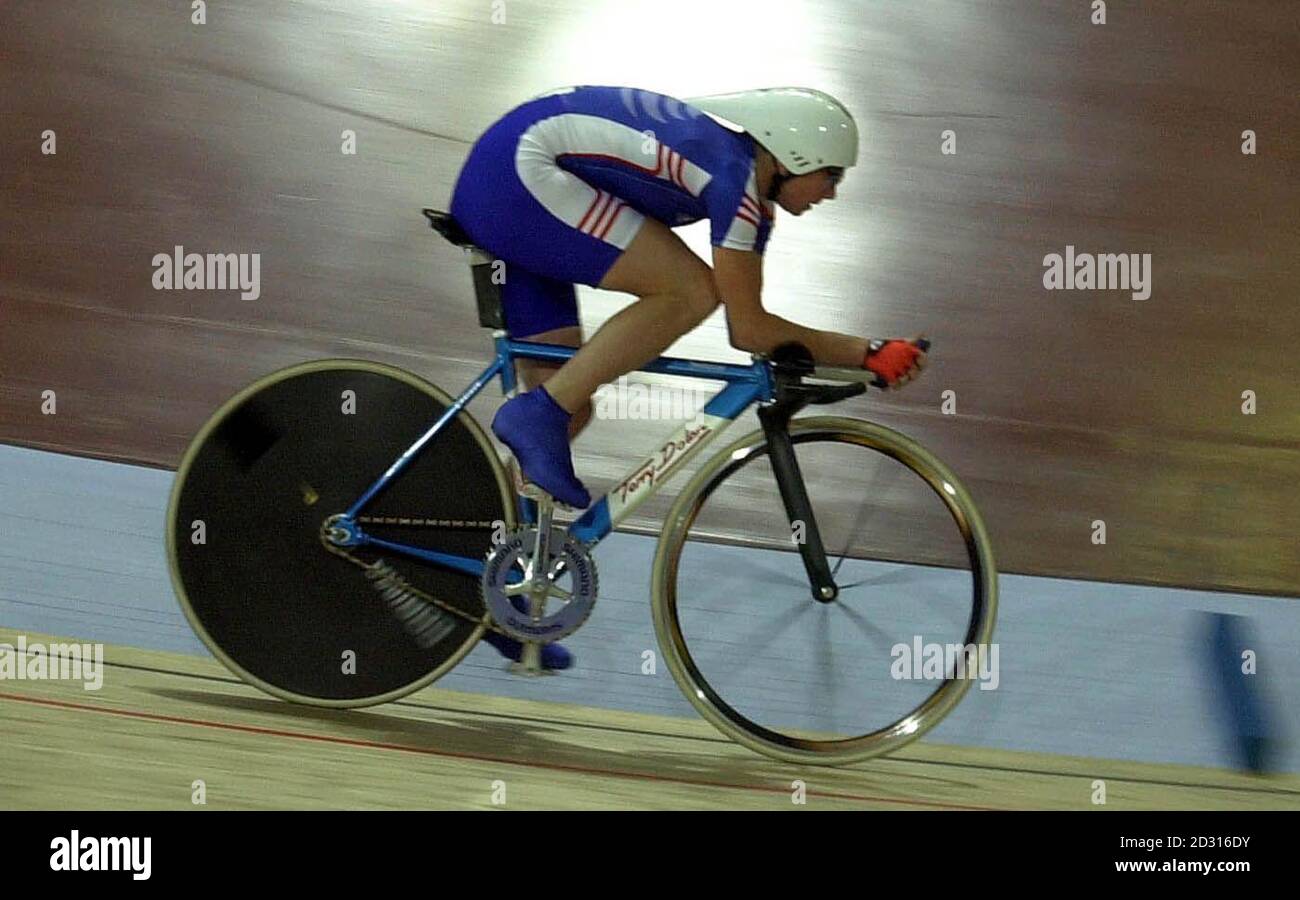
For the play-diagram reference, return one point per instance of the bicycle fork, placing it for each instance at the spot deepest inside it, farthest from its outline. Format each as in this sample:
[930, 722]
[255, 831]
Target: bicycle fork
[775, 420]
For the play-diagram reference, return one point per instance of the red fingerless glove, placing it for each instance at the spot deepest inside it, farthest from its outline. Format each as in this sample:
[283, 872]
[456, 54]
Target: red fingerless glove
[890, 359]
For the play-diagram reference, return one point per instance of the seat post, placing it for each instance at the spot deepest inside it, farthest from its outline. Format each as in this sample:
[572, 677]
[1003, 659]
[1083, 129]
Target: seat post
[487, 294]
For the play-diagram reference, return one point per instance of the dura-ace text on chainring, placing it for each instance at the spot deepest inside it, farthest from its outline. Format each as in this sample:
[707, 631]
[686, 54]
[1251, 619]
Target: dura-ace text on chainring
[503, 569]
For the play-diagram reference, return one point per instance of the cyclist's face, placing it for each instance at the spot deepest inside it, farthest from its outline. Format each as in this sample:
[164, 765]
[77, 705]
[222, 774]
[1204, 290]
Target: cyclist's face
[803, 192]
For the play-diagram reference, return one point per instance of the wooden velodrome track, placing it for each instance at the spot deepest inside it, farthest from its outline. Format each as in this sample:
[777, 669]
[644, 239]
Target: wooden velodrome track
[162, 721]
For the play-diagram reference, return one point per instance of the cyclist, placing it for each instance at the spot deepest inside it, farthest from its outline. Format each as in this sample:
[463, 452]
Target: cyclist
[582, 186]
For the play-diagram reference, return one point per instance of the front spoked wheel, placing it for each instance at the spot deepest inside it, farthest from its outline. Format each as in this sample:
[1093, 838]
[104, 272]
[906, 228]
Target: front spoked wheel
[798, 677]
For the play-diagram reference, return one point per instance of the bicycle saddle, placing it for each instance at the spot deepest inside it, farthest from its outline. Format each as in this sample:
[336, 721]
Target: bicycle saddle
[448, 227]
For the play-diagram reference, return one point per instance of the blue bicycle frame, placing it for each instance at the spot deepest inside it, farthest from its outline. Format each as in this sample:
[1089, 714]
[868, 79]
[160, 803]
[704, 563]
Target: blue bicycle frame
[744, 386]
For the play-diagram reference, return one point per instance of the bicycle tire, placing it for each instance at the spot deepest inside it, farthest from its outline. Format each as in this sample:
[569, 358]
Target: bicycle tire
[709, 703]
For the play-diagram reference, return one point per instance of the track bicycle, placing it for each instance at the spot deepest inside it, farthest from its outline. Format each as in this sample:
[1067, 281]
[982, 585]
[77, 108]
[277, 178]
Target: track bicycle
[342, 533]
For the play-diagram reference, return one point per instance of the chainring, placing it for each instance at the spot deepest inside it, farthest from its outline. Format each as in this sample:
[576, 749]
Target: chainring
[503, 570]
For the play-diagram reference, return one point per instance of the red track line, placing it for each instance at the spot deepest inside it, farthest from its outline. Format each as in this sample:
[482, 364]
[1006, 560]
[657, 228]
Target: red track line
[406, 748]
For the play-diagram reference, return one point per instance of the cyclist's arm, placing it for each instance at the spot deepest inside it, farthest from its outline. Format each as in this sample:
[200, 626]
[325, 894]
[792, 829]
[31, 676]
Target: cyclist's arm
[739, 278]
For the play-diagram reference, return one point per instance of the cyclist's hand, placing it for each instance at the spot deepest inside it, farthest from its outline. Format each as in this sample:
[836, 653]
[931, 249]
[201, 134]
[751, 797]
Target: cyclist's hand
[896, 362]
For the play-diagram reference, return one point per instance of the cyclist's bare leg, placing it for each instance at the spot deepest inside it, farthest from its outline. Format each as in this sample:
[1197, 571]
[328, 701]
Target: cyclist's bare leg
[533, 372]
[676, 292]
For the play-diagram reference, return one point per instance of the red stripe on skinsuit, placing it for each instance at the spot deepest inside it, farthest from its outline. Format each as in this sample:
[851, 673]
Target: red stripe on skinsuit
[610, 225]
[601, 199]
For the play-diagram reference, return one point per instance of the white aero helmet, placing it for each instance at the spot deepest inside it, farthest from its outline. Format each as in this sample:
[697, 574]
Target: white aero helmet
[806, 129]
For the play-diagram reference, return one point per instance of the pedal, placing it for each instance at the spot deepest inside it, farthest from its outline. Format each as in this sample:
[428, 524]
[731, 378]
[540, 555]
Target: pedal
[528, 489]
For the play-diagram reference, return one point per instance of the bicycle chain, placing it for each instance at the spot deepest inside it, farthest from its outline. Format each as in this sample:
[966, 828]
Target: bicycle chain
[423, 595]
[436, 523]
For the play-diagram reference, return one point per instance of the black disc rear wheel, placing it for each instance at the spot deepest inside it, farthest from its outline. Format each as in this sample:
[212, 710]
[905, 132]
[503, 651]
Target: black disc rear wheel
[246, 513]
